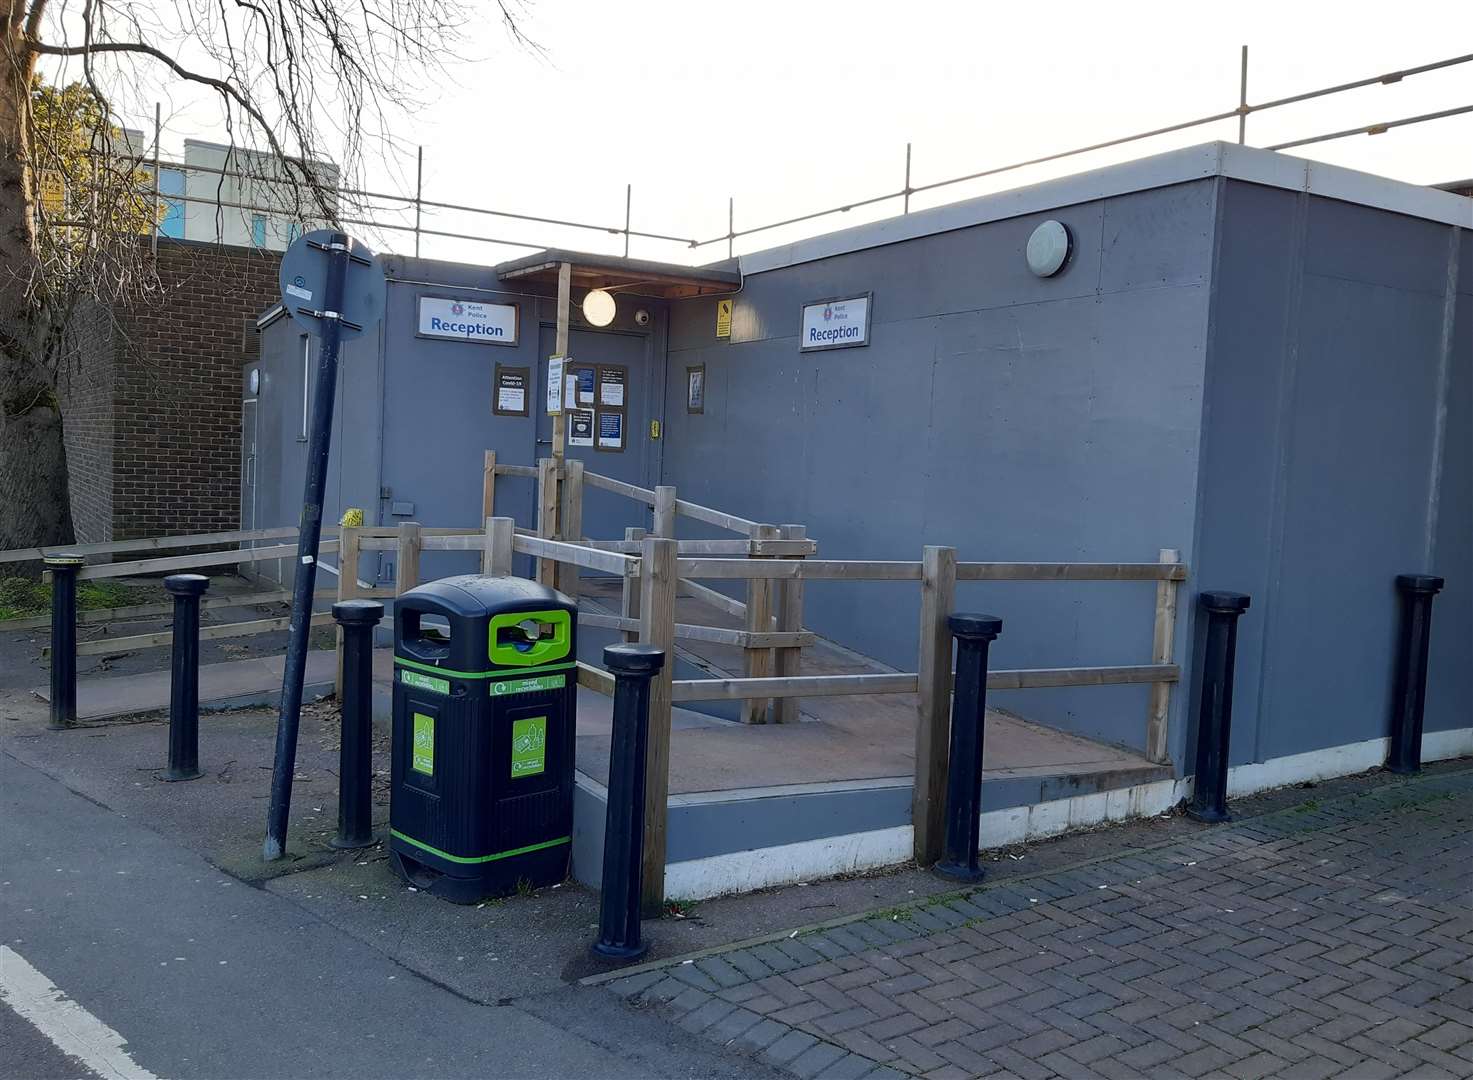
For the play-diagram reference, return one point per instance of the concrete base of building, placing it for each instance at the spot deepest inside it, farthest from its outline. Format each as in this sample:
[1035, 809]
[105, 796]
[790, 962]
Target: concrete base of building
[710, 821]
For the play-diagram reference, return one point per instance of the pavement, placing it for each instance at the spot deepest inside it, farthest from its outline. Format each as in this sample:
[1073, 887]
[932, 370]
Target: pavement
[1332, 937]
[203, 975]
[1326, 932]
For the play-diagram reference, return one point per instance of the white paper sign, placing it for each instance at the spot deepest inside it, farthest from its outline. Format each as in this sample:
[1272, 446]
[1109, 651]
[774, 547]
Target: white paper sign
[511, 399]
[467, 320]
[835, 324]
[555, 366]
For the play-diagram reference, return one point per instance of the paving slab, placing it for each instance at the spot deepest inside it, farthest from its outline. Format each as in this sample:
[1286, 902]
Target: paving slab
[1383, 869]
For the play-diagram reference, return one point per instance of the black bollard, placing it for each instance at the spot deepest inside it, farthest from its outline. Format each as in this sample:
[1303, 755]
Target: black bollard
[974, 633]
[1410, 697]
[63, 638]
[184, 676]
[633, 667]
[1215, 712]
[355, 754]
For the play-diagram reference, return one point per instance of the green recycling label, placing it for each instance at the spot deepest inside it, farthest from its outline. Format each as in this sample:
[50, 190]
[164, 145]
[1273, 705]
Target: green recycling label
[527, 686]
[422, 755]
[424, 682]
[528, 746]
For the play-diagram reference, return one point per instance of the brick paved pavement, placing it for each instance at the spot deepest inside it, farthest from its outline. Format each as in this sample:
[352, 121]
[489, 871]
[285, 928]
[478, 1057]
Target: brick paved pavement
[1327, 939]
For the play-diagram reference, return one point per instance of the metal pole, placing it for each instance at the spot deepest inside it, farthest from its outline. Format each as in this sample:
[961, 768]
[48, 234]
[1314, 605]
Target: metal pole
[184, 676]
[628, 204]
[974, 634]
[1215, 712]
[907, 178]
[730, 226]
[633, 666]
[157, 138]
[309, 535]
[64, 570]
[355, 752]
[1243, 99]
[1409, 700]
[419, 191]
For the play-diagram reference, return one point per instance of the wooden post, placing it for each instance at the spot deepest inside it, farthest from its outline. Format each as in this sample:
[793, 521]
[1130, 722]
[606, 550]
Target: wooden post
[664, 512]
[629, 594]
[496, 555]
[1163, 643]
[657, 582]
[488, 486]
[570, 523]
[790, 618]
[406, 574]
[933, 719]
[547, 508]
[347, 589]
[759, 620]
[564, 306]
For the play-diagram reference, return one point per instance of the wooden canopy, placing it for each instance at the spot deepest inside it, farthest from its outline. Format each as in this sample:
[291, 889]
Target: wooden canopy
[637, 277]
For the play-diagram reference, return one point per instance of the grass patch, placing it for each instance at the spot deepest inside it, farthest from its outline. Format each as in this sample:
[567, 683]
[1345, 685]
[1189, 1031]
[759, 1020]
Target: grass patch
[676, 908]
[22, 597]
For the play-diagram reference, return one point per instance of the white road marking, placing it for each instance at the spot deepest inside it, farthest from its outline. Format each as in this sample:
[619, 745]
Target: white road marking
[73, 1029]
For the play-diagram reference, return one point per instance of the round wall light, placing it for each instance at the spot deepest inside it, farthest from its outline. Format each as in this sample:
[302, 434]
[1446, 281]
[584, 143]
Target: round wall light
[598, 307]
[1049, 248]
[254, 381]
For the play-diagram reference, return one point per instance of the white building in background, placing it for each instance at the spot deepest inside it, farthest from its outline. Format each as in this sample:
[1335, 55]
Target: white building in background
[242, 206]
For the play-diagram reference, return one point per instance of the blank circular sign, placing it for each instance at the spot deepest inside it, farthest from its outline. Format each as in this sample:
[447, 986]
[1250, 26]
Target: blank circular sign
[1048, 248]
[304, 281]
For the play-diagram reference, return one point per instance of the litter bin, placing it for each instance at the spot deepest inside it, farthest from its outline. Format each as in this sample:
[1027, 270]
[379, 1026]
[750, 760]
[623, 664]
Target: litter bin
[485, 691]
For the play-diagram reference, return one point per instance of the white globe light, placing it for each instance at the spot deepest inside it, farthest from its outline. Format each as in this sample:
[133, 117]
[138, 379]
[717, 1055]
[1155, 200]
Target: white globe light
[598, 308]
[1049, 248]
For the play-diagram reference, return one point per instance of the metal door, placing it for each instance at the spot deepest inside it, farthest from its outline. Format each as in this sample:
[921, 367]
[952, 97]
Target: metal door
[626, 392]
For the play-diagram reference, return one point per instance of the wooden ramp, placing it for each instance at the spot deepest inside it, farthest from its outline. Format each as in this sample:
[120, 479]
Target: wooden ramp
[840, 739]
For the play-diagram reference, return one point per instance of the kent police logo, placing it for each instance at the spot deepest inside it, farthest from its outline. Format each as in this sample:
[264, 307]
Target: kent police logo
[828, 313]
[457, 309]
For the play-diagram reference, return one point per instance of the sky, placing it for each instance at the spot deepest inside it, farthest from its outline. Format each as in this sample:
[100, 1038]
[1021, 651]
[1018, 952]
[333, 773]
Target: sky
[789, 107]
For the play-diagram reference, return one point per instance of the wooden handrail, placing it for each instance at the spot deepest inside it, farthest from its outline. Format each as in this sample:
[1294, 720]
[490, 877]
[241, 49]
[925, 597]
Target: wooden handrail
[206, 558]
[721, 520]
[908, 682]
[887, 570]
[609, 562]
[720, 635]
[619, 487]
[152, 543]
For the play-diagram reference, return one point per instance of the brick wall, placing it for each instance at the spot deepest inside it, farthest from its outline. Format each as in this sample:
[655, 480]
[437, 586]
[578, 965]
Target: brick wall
[86, 391]
[175, 397]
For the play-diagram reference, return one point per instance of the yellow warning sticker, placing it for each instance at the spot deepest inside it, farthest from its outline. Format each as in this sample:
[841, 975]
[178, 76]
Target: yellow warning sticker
[723, 318]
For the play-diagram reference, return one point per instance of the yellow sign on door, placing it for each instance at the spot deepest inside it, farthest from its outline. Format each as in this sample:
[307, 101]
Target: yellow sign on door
[723, 318]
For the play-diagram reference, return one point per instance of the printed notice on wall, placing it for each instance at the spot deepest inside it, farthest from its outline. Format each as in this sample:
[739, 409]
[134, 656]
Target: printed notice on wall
[610, 430]
[555, 368]
[511, 391]
[586, 378]
[611, 386]
[723, 318]
[580, 427]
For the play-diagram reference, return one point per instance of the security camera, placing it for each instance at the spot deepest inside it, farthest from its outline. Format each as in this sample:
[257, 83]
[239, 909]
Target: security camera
[641, 317]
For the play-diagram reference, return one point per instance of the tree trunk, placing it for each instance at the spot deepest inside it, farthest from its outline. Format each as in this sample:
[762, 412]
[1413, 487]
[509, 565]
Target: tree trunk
[35, 506]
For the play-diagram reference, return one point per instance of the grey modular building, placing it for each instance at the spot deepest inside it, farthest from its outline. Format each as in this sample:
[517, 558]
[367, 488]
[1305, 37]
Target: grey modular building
[1261, 362]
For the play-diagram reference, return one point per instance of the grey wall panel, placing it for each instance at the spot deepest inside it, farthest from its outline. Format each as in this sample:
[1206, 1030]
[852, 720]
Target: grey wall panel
[1008, 416]
[1359, 457]
[1249, 371]
[1362, 244]
[1450, 675]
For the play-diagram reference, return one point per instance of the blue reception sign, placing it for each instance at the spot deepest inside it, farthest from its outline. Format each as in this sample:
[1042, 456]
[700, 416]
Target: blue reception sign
[304, 281]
